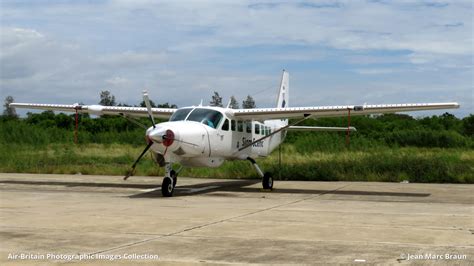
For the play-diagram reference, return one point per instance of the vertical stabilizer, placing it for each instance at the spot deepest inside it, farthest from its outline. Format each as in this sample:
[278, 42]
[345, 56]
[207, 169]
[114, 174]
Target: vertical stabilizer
[283, 92]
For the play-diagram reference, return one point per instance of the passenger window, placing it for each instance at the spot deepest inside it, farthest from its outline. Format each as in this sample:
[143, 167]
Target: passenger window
[257, 129]
[248, 125]
[232, 125]
[269, 131]
[225, 126]
[240, 126]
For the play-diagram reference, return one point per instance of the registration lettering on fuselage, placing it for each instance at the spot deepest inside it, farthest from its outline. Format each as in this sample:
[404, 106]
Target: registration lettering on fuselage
[246, 141]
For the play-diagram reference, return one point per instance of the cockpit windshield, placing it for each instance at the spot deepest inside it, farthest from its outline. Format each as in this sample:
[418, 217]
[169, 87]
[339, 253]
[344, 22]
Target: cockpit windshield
[206, 116]
[180, 114]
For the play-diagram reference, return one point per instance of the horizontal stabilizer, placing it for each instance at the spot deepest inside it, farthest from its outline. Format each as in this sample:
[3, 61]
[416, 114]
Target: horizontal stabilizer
[307, 128]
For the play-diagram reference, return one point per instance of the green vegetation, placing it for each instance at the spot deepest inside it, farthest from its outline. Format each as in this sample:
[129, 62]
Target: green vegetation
[385, 148]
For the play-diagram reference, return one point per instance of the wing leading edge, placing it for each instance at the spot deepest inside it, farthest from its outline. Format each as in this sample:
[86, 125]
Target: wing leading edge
[334, 111]
[164, 113]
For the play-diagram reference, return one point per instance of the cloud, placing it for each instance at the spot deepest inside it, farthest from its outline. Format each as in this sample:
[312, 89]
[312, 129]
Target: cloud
[375, 71]
[26, 53]
[129, 59]
[117, 81]
[183, 50]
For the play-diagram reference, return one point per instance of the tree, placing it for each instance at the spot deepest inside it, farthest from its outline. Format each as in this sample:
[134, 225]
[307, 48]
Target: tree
[216, 100]
[233, 103]
[106, 98]
[160, 105]
[468, 125]
[9, 110]
[248, 103]
[167, 105]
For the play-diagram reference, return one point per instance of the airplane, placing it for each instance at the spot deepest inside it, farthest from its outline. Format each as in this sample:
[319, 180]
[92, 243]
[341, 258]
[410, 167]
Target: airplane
[206, 136]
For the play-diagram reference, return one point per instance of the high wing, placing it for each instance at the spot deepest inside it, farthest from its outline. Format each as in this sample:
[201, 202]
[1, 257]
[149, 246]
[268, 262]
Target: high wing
[334, 111]
[164, 113]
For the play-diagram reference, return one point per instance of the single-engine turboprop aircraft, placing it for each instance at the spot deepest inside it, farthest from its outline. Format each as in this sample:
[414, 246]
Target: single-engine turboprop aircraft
[205, 136]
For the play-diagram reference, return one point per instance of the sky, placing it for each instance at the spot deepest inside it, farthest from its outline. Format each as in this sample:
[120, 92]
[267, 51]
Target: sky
[337, 52]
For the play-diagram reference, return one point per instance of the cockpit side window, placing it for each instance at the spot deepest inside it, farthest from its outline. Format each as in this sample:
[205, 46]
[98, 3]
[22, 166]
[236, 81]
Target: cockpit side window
[208, 117]
[180, 114]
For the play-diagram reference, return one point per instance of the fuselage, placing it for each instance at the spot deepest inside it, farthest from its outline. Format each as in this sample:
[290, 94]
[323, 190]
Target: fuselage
[207, 136]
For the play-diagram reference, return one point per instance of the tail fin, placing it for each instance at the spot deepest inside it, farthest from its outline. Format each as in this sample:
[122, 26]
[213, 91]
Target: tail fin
[284, 90]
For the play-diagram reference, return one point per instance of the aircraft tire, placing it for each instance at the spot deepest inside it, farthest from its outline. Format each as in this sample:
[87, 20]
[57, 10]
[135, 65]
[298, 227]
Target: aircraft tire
[267, 181]
[167, 188]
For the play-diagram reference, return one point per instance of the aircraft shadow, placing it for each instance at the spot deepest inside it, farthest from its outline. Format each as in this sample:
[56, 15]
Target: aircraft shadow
[201, 188]
[242, 186]
[206, 188]
[79, 184]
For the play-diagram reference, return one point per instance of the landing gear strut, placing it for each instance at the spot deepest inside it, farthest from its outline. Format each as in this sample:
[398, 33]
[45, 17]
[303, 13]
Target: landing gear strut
[174, 176]
[267, 178]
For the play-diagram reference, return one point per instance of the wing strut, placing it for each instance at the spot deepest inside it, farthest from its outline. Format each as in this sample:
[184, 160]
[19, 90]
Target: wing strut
[77, 107]
[75, 128]
[348, 134]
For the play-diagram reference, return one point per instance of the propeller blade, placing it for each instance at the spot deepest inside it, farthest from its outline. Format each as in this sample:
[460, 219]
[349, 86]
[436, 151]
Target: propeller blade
[130, 173]
[148, 107]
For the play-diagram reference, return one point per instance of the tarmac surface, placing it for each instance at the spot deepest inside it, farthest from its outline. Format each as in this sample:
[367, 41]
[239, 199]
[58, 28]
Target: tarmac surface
[63, 218]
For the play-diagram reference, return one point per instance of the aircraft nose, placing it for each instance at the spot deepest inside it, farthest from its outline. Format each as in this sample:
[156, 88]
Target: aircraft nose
[162, 135]
[156, 134]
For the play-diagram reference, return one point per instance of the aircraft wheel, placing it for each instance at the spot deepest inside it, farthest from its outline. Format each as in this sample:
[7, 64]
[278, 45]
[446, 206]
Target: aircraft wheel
[174, 175]
[166, 187]
[267, 181]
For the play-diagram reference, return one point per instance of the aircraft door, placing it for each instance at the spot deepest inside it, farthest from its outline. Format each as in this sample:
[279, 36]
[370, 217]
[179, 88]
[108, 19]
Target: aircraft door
[206, 142]
[221, 139]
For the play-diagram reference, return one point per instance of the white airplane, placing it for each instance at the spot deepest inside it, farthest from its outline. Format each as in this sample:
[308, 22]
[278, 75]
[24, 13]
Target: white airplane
[205, 136]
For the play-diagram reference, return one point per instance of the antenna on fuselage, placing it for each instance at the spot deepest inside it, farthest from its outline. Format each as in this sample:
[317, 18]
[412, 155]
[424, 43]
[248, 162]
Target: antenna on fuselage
[200, 104]
[228, 104]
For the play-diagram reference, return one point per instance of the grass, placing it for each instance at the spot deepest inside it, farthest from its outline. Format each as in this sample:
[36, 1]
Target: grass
[438, 165]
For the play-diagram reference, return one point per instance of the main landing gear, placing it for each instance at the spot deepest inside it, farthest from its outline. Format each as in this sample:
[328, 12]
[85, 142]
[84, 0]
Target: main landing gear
[169, 181]
[267, 178]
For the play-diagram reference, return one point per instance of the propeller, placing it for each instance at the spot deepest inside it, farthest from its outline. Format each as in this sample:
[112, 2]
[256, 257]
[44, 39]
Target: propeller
[148, 107]
[168, 138]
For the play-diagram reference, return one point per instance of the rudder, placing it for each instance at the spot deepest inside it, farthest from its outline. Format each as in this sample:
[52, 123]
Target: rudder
[283, 92]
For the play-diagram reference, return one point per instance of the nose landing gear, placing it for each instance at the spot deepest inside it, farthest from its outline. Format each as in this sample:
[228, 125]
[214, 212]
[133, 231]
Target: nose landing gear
[167, 187]
[169, 181]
